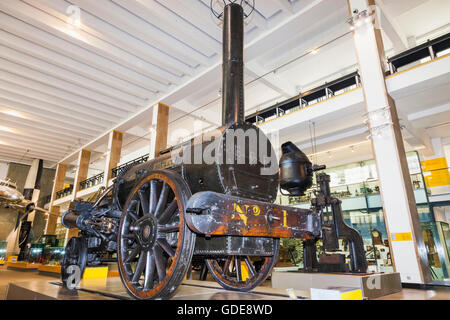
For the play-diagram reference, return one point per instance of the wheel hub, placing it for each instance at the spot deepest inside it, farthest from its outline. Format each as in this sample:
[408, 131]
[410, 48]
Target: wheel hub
[145, 230]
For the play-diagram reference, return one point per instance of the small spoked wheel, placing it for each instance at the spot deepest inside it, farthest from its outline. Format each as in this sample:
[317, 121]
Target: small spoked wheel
[155, 245]
[75, 254]
[242, 273]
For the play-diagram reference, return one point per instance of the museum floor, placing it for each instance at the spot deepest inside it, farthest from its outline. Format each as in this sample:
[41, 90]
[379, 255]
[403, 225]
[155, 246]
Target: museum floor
[190, 290]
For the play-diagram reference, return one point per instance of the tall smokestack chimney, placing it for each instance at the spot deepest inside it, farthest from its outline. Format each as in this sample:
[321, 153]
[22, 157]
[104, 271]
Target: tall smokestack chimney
[233, 65]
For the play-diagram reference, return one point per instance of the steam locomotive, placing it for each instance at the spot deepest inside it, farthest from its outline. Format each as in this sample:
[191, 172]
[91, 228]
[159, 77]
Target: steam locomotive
[160, 213]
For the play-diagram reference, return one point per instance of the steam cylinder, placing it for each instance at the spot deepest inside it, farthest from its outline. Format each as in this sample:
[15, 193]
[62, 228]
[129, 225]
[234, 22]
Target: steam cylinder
[296, 173]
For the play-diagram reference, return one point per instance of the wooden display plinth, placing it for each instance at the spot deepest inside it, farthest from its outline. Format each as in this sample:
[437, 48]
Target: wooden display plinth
[22, 266]
[54, 270]
[371, 285]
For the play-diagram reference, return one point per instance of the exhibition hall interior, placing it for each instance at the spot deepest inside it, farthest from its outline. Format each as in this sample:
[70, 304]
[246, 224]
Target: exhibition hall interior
[225, 150]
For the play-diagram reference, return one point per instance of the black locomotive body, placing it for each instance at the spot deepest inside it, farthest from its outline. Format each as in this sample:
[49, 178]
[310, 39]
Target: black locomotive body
[212, 196]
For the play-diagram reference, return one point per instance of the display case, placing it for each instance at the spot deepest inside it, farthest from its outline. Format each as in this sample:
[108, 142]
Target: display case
[52, 256]
[42, 250]
[357, 186]
[3, 244]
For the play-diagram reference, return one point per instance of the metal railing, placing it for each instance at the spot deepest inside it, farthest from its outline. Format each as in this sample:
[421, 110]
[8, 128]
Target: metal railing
[92, 181]
[64, 192]
[430, 49]
[116, 171]
[303, 100]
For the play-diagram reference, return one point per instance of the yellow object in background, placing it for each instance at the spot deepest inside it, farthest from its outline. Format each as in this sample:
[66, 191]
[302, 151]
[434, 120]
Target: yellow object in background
[12, 259]
[436, 172]
[95, 273]
[244, 271]
[352, 295]
[402, 236]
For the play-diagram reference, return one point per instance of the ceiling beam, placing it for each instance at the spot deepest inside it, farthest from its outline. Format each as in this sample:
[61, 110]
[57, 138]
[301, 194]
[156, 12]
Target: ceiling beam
[253, 49]
[71, 43]
[40, 77]
[67, 61]
[114, 35]
[65, 98]
[38, 122]
[173, 25]
[271, 80]
[86, 81]
[54, 105]
[32, 107]
[141, 29]
[392, 29]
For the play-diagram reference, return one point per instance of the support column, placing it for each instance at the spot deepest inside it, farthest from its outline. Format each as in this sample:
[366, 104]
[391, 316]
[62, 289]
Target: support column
[32, 188]
[58, 184]
[399, 206]
[159, 130]
[50, 227]
[113, 154]
[84, 158]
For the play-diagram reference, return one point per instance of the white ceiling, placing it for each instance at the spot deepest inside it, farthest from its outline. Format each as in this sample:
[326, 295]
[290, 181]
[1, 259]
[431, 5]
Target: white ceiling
[64, 84]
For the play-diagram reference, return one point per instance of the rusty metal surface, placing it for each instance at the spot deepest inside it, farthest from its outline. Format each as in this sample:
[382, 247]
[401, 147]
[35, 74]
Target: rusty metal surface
[211, 213]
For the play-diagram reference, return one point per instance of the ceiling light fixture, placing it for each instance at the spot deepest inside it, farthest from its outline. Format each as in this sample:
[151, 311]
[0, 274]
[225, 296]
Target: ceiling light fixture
[359, 18]
[14, 113]
[6, 129]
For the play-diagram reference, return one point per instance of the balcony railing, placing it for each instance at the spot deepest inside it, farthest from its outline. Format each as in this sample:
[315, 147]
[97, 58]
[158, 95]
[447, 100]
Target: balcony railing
[92, 181]
[429, 50]
[116, 171]
[64, 192]
[303, 100]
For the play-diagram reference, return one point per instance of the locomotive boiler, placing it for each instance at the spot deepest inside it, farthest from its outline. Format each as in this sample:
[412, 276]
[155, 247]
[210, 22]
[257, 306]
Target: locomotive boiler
[213, 197]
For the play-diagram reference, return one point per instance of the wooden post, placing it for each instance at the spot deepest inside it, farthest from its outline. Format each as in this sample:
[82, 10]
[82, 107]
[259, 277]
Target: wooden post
[58, 185]
[113, 155]
[52, 220]
[84, 157]
[82, 170]
[160, 128]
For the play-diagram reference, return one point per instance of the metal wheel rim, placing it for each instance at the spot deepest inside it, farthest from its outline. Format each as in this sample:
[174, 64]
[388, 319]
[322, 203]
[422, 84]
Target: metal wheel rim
[230, 278]
[155, 284]
[75, 253]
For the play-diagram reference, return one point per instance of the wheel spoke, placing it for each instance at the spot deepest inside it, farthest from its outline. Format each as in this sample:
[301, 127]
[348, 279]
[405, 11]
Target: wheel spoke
[166, 214]
[160, 262]
[144, 200]
[153, 196]
[132, 204]
[149, 270]
[166, 247]
[250, 267]
[162, 199]
[237, 266]
[169, 228]
[226, 266]
[130, 236]
[139, 267]
[133, 254]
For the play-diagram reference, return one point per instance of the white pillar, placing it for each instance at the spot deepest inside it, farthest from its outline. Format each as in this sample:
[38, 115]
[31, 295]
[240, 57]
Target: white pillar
[399, 207]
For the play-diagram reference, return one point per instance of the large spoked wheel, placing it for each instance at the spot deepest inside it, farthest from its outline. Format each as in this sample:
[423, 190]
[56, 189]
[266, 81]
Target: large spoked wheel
[75, 254]
[155, 245]
[242, 273]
